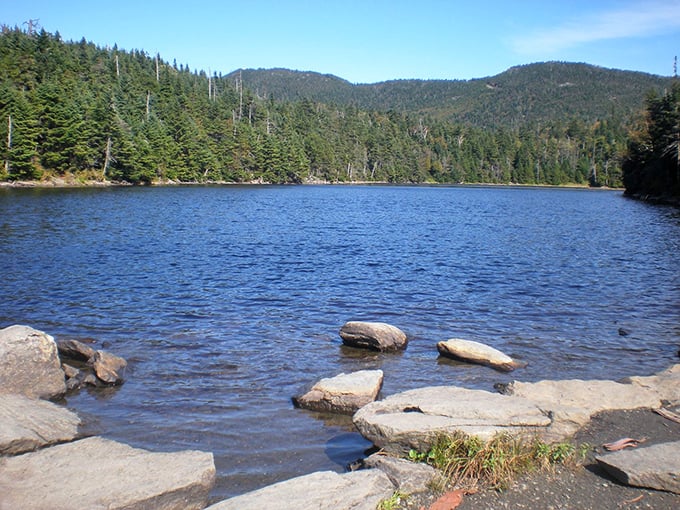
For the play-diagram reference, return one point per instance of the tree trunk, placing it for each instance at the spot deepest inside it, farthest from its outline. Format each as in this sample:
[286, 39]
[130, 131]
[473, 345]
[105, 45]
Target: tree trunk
[9, 142]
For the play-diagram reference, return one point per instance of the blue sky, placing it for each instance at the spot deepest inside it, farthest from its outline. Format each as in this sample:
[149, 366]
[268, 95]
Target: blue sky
[367, 41]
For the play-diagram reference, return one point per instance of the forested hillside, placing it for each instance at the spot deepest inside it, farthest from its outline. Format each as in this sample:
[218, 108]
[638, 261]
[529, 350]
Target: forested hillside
[534, 93]
[109, 114]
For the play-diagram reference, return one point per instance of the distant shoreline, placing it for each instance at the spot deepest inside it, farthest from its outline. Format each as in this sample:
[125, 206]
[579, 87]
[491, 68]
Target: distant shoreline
[74, 183]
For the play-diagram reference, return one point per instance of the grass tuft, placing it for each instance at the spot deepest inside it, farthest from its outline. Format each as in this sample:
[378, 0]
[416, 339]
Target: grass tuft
[470, 462]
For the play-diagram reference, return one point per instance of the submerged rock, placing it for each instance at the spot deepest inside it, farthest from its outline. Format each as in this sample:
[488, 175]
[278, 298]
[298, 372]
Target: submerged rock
[30, 364]
[476, 352]
[373, 335]
[344, 393]
[100, 473]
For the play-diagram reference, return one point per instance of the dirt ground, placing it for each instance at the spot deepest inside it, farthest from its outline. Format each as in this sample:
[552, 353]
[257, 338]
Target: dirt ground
[584, 487]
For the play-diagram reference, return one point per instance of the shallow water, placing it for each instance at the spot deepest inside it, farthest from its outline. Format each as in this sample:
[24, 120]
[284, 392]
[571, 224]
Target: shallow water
[227, 301]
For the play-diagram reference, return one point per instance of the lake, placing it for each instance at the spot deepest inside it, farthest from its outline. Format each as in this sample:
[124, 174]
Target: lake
[227, 301]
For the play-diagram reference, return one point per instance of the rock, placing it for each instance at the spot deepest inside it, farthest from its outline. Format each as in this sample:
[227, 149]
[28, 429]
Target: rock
[591, 396]
[27, 424]
[99, 473]
[30, 364]
[666, 384]
[69, 371]
[373, 335]
[108, 367]
[359, 490]
[75, 350]
[414, 418]
[571, 403]
[656, 467]
[475, 352]
[344, 393]
[408, 477]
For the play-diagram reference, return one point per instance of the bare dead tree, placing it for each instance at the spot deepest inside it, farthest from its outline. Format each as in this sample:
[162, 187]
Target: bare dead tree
[9, 142]
[32, 26]
[108, 158]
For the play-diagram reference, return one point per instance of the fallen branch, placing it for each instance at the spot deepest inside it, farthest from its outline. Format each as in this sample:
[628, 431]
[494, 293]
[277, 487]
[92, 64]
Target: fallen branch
[669, 415]
[626, 442]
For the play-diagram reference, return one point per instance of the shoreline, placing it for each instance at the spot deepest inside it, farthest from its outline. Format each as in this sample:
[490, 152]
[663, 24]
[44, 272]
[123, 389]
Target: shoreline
[70, 182]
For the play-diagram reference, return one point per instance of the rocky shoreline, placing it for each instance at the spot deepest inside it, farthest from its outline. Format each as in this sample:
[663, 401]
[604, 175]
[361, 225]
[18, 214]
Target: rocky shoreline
[46, 460]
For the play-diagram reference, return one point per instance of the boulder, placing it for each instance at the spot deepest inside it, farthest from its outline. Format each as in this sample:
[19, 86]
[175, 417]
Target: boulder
[656, 467]
[30, 364]
[27, 424]
[413, 419]
[359, 490]
[475, 352]
[376, 336]
[408, 477]
[108, 367]
[100, 473]
[344, 393]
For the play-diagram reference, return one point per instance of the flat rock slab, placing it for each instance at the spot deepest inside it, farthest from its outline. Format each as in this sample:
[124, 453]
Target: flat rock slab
[656, 467]
[28, 424]
[30, 363]
[324, 490]
[414, 418]
[97, 473]
[665, 384]
[376, 336]
[344, 393]
[476, 352]
[591, 396]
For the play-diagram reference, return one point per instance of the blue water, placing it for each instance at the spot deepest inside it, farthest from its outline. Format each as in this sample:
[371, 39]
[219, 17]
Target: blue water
[227, 301]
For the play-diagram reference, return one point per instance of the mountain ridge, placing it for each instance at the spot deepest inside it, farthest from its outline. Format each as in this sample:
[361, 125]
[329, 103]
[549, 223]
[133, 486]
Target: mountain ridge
[527, 93]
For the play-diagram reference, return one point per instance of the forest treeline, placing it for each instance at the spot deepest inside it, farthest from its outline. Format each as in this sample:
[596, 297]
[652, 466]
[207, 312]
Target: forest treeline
[104, 113]
[651, 167]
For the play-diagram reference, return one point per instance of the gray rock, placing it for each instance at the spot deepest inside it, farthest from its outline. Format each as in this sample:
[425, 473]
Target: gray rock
[27, 424]
[413, 419]
[666, 384]
[475, 352]
[656, 467]
[108, 367]
[592, 396]
[373, 335]
[408, 477]
[325, 490]
[344, 393]
[75, 350]
[97, 473]
[30, 364]
[571, 403]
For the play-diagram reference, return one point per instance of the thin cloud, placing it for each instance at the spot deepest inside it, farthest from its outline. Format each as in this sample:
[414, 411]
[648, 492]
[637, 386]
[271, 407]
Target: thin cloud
[646, 19]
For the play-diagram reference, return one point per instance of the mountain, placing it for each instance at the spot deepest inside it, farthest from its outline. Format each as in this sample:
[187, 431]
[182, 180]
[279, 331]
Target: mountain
[533, 93]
